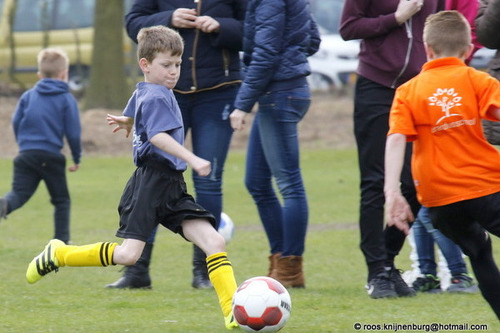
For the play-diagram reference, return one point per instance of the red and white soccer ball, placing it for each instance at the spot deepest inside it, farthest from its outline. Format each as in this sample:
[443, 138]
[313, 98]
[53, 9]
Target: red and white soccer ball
[261, 304]
[226, 227]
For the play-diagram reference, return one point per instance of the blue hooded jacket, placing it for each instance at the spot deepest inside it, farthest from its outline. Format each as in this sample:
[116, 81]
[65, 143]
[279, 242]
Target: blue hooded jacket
[278, 35]
[46, 114]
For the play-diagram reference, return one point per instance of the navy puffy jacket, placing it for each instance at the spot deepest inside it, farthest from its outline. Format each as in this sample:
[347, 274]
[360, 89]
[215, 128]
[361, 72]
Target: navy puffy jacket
[279, 35]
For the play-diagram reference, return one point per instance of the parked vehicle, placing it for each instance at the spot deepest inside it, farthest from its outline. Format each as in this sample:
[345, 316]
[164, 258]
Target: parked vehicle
[337, 60]
[43, 23]
[335, 63]
[482, 58]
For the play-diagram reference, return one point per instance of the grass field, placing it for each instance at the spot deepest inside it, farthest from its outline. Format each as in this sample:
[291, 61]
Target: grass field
[75, 300]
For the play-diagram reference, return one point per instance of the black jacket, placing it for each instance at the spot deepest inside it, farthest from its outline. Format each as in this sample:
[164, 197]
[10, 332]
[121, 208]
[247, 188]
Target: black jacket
[209, 60]
[488, 34]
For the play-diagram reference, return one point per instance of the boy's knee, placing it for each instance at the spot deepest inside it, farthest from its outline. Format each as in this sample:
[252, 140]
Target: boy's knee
[217, 244]
[476, 249]
[130, 259]
[126, 257]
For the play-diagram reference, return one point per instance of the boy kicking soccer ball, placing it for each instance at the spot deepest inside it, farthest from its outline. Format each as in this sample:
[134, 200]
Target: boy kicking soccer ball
[156, 192]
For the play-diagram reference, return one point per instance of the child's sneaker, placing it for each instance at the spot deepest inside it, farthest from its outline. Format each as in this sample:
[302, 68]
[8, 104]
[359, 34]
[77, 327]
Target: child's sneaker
[230, 321]
[45, 262]
[462, 283]
[427, 283]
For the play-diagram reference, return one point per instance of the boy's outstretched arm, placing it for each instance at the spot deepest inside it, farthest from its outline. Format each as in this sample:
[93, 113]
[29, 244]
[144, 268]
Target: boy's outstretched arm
[168, 144]
[397, 210]
[121, 122]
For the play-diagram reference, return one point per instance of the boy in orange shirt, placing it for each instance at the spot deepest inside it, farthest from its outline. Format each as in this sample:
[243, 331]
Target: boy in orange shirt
[456, 171]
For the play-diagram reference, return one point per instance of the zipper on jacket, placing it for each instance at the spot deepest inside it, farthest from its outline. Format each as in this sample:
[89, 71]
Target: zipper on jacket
[195, 44]
[225, 59]
[409, 33]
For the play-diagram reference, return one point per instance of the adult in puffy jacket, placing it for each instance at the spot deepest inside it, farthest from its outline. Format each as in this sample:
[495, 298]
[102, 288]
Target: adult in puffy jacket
[279, 35]
[210, 77]
[391, 53]
[488, 34]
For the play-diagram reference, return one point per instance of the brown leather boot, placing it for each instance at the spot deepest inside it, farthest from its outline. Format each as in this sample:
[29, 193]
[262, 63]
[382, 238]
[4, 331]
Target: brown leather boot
[273, 262]
[289, 272]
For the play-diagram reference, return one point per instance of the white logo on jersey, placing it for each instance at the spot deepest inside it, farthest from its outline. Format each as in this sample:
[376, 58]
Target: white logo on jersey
[446, 99]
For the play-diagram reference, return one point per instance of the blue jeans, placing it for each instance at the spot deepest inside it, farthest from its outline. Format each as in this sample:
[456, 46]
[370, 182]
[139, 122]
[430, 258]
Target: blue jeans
[206, 115]
[273, 153]
[425, 237]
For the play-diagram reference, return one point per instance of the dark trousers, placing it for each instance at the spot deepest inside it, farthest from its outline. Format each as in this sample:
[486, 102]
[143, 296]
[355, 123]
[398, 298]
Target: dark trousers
[372, 103]
[30, 168]
[467, 223]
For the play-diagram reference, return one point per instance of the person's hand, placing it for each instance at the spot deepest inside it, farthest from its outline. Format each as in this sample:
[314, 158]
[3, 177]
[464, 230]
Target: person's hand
[184, 18]
[237, 118]
[207, 24]
[398, 212]
[201, 166]
[73, 168]
[406, 9]
[121, 122]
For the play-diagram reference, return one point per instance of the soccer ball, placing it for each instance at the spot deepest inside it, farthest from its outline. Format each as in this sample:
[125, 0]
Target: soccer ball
[226, 227]
[261, 304]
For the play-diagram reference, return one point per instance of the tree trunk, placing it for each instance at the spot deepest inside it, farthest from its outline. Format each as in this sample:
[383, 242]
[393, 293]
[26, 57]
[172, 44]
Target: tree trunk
[108, 86]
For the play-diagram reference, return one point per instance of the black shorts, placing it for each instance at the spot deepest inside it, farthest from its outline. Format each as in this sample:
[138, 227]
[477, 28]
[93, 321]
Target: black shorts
[156, 194]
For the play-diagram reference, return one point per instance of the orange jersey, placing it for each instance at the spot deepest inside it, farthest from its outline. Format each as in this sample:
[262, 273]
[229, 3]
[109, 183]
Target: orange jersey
[440, 110]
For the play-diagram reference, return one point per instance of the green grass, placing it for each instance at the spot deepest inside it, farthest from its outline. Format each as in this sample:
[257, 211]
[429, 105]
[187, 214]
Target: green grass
[74, 299]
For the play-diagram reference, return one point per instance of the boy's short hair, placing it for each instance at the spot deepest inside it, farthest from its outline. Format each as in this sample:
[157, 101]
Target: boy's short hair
[447, 32]
[158, 39]
[52, 62]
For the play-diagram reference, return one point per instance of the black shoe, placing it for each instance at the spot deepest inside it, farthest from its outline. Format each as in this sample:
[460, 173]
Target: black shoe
[3, 208]
[400, 286]
[129, 282]
[200, 270]
[137, 275]
[381, 286]
[428, 283]
[201, 282]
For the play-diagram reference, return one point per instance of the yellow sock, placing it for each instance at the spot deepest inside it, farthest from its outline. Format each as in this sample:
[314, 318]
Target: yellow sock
[220, 272]
[98, 254]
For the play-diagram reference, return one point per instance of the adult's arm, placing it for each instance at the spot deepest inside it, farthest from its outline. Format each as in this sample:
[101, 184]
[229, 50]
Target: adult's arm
[230, 33]
[369, 19]
[145, 13]
[488, 24]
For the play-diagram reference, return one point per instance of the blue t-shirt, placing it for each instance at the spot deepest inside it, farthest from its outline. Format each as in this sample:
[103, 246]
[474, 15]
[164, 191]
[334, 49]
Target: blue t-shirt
[154, 110]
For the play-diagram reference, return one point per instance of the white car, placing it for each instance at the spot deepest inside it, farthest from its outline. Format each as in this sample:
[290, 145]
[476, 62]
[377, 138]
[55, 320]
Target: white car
[482, 58]
[334, 63]
[336, 60]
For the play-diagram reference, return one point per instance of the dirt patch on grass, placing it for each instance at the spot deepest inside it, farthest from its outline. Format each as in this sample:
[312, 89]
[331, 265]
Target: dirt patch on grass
[328, 124]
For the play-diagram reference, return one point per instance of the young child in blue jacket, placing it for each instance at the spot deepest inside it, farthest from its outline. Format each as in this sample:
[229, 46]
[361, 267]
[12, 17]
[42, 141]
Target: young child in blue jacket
[44, 116]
